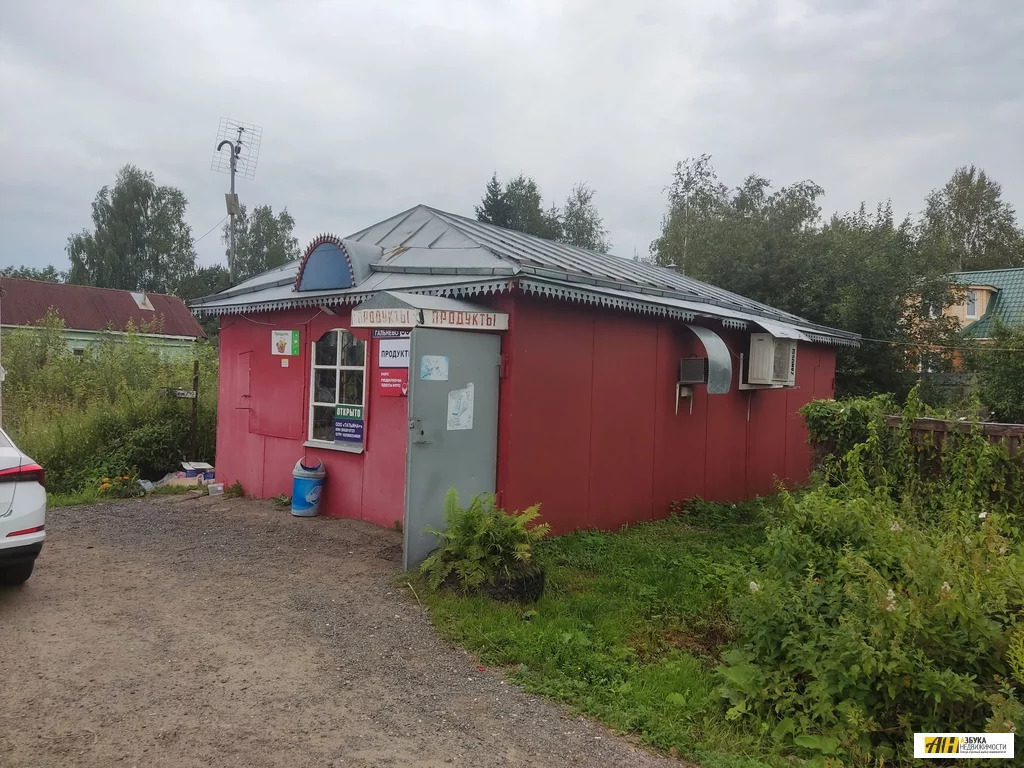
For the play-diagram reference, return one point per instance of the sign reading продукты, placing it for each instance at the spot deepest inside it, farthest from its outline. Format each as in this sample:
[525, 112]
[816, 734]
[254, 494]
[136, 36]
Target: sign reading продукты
[284, 342]
[393, 366]
[393, 353]
[429, 318]
[348, 424]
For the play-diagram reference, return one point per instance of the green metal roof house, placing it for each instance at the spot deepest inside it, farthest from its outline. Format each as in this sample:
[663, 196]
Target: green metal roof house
[990, 295]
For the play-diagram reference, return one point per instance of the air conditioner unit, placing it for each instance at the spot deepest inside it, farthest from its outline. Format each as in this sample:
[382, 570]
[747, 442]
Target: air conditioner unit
[772, 361]
[693, 370]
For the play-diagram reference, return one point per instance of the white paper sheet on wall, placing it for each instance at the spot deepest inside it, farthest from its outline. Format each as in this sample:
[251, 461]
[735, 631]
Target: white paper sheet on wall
[460, 408]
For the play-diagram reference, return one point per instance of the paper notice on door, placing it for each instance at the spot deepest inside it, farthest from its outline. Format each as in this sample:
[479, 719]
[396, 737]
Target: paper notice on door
[460, 408]
[434, 368]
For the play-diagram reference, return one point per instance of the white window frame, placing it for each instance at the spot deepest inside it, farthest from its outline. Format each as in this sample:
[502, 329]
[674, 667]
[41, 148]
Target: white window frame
[971, 294]
[338, 368]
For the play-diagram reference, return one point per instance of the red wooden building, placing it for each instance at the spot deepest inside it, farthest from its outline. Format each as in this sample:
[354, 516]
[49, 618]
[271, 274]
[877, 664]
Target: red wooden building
[431, 351]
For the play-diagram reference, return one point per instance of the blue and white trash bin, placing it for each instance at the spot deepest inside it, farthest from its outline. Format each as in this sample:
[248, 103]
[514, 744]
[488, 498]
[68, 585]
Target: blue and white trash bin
[307, 485]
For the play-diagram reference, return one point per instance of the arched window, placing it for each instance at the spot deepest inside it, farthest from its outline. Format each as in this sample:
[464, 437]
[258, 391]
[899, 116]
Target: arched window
[337, 377]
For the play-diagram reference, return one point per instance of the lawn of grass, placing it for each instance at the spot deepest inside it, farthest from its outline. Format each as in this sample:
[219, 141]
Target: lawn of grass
[629, 629]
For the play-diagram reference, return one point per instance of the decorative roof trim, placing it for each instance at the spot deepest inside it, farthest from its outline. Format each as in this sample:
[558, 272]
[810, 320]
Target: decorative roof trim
[583, 296]
[300, 301]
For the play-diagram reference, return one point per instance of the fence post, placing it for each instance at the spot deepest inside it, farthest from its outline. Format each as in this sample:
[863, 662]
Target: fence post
[195, 411]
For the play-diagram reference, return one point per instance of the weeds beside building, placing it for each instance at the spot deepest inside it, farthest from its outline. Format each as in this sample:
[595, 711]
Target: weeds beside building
[104, 412]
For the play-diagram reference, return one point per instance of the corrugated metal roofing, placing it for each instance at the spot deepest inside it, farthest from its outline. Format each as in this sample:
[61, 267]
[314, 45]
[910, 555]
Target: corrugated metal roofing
[84, 308]
[546, 258]
[1006, 305]
[423, 244]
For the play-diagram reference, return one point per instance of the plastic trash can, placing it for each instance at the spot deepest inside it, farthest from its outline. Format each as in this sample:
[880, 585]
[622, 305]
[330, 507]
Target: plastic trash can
[307, 485]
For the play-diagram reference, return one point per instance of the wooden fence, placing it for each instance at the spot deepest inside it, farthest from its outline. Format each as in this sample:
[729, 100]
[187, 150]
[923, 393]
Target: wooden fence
[1011, 435]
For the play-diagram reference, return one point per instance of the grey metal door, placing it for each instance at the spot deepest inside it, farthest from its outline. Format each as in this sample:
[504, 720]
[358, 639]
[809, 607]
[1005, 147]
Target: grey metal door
[453, 428]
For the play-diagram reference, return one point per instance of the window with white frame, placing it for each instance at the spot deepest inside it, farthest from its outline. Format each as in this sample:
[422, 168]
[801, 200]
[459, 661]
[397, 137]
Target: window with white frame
[337, 377]
[971, 303]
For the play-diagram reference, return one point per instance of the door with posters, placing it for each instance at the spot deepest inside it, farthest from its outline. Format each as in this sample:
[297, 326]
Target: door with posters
[453, 428]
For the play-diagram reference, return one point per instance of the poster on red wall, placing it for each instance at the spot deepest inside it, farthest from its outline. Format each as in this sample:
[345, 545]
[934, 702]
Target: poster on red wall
[393, 382]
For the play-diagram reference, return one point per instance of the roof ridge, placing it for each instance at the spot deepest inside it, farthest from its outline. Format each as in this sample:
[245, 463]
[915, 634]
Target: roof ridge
[977, 271]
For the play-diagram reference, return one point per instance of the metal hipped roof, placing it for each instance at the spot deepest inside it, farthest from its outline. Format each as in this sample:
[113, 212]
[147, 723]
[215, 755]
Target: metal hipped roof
[426, 251]
[1006, 305]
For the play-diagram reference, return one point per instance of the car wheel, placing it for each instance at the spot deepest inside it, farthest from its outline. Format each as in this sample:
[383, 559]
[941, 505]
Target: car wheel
[14, 575]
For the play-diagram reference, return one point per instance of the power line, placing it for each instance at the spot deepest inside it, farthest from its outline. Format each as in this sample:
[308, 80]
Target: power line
[211, 229]
[925, 345]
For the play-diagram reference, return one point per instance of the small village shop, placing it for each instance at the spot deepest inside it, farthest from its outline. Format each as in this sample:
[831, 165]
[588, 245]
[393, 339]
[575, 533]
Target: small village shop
[431, 351]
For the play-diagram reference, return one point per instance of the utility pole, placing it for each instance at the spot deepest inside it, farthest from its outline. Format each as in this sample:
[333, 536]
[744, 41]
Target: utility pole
[231, 199]
[230, 135]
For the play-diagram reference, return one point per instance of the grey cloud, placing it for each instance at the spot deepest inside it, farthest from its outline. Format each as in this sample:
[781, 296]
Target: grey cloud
[369, 108]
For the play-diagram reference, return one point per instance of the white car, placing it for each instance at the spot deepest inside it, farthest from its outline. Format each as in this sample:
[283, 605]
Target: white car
[22, 513]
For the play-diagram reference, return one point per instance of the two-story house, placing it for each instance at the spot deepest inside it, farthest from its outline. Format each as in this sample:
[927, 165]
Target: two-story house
[989, 295]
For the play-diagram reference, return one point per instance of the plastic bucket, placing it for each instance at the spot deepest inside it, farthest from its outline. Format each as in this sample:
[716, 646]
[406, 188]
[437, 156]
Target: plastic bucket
[307, 485]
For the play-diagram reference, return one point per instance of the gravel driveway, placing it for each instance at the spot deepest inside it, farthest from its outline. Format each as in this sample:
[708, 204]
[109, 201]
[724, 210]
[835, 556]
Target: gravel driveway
[181, 631]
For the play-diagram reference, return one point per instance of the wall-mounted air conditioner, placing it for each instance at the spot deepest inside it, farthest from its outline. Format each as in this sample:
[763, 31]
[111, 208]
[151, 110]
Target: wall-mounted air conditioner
[693, 370]
[772, 361]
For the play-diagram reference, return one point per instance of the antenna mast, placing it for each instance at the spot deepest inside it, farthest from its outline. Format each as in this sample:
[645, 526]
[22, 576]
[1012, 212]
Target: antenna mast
[236, 136]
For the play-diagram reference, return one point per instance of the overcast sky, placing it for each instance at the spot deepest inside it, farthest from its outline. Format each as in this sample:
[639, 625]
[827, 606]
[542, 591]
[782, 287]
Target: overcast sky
[368, 107]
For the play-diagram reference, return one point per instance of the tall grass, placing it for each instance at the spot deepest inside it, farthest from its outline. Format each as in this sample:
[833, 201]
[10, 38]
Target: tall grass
[104, 413]
[630, 629]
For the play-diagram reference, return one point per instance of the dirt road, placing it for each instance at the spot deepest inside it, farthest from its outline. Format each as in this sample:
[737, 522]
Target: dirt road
[202, 633]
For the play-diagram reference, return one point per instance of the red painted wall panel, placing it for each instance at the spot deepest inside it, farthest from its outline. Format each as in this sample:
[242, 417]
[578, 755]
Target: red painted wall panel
[798, 452]
[587, 422]
[766, 455]
[260, 439]
[279, 393]
[680, 440]
[622, 420]
[546, 413]
[638, 454]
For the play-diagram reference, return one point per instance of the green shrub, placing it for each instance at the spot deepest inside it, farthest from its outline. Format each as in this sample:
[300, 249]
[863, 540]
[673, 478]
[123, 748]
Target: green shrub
[888, 603]
[1000, 374]
[103, 414]
[835, 426]
[482, 543]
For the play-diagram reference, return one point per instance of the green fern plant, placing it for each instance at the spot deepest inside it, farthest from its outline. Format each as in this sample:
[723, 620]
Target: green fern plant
[482, 543]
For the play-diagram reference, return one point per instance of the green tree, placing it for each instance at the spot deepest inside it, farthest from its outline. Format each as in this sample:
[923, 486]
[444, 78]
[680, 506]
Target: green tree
[967, 225]
[140, 240]
[493, 208]
[860, 271]
[582, 225]
[205, 281]
[696, 202]
[866, 273]
[262, 241]
[999, 367]
[519, 206]
[47, 274]
[752, 240]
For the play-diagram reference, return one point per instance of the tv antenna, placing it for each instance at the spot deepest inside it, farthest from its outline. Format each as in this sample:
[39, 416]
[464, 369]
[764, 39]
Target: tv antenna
[242, 141]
